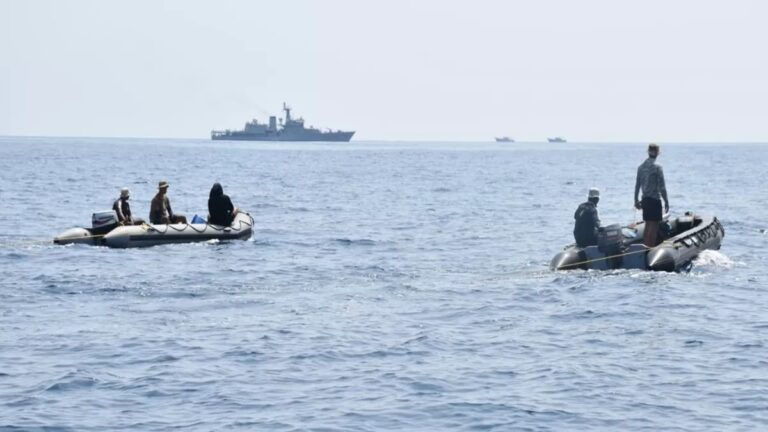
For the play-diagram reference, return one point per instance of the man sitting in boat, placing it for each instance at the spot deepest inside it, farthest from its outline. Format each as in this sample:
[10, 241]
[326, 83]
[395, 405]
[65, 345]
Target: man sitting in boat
[220, 208]
[587, 221]
[123, 209]
[160, 211]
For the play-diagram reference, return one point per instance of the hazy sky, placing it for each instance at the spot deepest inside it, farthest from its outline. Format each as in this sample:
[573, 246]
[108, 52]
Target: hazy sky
[657, 70]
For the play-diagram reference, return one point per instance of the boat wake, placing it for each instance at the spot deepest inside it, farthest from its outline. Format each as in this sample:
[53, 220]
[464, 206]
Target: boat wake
[713, 258]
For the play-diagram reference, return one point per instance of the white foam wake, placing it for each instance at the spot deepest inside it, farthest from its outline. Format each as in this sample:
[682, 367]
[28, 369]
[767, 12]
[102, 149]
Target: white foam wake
[713, 258]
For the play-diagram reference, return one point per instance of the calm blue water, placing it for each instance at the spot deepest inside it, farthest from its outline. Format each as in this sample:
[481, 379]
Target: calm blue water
[388, 286]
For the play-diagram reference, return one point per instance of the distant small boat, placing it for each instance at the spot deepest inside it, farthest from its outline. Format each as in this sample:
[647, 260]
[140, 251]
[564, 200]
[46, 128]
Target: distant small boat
[504, 139]
[556, 140]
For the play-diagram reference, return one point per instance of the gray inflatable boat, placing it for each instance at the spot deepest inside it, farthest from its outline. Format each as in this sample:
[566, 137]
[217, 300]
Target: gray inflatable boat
[106, 232]
[622, 247]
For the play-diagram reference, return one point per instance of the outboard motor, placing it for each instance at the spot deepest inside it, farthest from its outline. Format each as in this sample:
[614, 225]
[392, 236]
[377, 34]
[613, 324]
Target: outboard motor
[103, 222]
[610, 241]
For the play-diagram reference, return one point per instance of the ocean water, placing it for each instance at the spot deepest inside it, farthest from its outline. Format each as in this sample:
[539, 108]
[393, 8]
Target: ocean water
[388, 286]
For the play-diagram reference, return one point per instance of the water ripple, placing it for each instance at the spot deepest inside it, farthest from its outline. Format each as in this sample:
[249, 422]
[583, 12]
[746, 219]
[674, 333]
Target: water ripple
[388, 286]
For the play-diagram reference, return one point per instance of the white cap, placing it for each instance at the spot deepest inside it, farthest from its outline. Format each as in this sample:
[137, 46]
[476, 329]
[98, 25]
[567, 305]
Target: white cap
[124, 192]
[594, 193]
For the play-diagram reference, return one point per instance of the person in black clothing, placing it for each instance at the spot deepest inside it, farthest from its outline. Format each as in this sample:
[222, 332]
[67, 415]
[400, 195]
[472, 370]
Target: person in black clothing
[123, 209]
[587, 220]
[220, 208]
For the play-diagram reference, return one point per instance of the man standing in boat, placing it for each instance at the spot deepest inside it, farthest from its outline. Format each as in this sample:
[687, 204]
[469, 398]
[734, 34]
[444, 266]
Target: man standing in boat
[160, 211]
[650, 178]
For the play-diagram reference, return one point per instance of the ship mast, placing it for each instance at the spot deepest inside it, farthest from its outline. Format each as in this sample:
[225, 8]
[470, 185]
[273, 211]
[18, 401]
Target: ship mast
[287, 110]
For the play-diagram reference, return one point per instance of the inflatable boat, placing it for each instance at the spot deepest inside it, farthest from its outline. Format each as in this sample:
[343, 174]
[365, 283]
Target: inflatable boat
[105, 231]
[683, 238]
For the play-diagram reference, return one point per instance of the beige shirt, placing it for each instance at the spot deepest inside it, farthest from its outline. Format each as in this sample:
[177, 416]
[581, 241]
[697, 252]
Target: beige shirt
[160, 209]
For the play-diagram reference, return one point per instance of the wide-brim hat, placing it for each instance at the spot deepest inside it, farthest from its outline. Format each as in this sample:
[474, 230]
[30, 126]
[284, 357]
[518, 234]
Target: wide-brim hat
[163, 185]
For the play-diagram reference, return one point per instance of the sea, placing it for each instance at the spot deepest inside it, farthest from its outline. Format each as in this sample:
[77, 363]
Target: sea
[388, 286]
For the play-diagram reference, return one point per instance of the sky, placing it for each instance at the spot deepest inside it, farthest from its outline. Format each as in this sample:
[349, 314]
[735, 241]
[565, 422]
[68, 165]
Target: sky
[588, 70]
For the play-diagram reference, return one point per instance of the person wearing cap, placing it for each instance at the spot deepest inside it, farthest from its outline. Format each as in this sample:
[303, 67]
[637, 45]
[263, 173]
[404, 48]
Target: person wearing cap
[160, 211]
[650, 178]
[123, 209]
[587, 221]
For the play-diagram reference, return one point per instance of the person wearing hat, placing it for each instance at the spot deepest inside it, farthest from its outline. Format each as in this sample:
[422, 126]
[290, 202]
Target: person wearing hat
[123, 209]
[650, 178]
[160, 211]
[587, 220]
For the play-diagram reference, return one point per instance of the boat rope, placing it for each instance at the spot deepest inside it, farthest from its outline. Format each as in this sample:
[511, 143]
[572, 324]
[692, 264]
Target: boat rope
[241, 222]
[18, 244]
[580, 263]
[93, 236]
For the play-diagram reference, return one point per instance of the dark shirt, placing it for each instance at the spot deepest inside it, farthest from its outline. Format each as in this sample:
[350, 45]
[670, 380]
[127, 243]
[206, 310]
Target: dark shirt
[123, 210]
[220, 210]
[587, 224]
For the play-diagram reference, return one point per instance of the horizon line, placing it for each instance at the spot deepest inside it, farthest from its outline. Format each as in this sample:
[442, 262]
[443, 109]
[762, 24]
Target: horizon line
[396, 140]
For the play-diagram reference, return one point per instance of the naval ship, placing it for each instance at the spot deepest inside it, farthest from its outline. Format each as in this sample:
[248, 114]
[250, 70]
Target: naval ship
[291, 130]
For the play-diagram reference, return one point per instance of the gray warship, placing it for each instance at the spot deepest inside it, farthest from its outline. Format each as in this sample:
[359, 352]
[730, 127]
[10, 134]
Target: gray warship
[290, 130]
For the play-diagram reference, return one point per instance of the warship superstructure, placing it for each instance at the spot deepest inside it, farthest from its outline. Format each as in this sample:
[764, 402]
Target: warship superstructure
[291, 130]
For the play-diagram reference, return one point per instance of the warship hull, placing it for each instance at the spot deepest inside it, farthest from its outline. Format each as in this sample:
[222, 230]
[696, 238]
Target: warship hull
[320, 137]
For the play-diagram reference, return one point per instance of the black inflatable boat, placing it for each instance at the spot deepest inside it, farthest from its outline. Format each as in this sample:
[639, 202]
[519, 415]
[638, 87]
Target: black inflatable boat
[622, 247]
